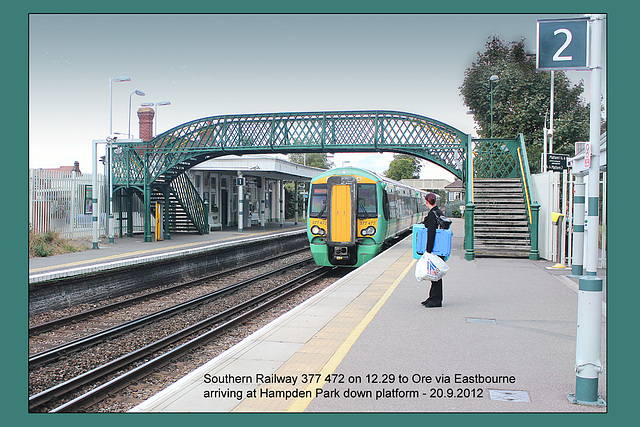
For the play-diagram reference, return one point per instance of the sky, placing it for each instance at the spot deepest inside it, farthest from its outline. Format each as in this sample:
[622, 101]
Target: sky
[212, 64]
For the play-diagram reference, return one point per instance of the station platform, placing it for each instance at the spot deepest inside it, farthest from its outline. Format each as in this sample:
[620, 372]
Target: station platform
[504, 341]
[131, 250]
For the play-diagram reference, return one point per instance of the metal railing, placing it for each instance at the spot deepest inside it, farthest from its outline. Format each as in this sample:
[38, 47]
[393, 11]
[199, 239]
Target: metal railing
[60, 202]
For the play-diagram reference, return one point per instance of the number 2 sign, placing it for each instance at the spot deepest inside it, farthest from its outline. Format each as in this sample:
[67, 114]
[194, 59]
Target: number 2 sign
[563, 44]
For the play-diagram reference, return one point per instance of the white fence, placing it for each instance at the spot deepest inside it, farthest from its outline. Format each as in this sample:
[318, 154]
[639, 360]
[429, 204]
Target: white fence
[554, 191]
[60, 201]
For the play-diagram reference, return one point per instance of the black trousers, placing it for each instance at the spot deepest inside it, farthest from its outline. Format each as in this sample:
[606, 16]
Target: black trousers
[435, 293]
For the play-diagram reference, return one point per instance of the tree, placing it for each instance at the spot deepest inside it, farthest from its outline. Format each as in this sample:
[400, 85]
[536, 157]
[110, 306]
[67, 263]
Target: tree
[403, 166]
[521, 100]
[316, 160]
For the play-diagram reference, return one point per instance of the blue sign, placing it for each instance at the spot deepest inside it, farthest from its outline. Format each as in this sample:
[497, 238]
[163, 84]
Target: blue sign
[563, 44]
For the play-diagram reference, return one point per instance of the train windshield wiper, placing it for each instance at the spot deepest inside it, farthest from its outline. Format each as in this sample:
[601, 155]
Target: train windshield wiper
[324, 207]
[364, 214]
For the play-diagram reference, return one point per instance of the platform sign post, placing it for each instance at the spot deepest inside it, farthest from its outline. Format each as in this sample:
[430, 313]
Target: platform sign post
[563, 44]
[575, 44]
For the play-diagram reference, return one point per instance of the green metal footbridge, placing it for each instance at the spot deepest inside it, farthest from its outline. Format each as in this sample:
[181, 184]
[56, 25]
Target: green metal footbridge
[156, 168]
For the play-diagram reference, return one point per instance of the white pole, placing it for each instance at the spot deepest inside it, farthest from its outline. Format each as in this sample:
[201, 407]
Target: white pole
[578, 228]
[544, 147]
[588, 337]
[551, 113]
[281, 197]
[263, 196]
[240, 202]
[94, 194]
[110, 159]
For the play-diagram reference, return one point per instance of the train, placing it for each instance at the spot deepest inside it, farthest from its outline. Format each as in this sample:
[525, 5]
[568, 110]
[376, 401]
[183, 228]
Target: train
[352, 213]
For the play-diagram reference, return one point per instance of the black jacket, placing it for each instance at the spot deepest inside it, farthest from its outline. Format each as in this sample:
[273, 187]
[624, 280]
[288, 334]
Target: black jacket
[431, 223]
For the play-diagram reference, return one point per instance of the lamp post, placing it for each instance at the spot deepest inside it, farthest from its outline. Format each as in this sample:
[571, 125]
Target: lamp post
[159, 104]
[156, 105]
[111, 80]
[492, 79]
[139, 93]
[109, 154]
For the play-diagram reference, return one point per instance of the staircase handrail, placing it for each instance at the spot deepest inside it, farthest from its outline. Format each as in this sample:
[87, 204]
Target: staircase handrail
[526, 175]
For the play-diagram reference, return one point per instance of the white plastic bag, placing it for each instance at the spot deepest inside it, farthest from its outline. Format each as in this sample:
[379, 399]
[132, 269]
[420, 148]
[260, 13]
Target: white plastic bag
[431, 267]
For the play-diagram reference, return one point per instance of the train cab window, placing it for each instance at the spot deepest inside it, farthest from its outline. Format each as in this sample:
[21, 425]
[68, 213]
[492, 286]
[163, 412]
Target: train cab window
[318, 202]
[367, 201]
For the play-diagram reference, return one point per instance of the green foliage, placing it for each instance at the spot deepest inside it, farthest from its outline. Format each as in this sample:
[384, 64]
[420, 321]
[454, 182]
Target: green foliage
[521, 100]
[403, 166]
[50, 243]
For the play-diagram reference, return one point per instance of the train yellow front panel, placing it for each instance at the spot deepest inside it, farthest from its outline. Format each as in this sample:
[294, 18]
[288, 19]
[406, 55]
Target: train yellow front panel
[341, 213]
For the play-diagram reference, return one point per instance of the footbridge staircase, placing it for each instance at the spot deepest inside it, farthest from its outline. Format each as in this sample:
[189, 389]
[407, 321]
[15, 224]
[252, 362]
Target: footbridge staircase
[503, 220]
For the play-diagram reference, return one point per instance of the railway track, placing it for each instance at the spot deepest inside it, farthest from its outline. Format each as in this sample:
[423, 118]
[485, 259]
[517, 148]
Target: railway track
[39, 328]
[146, 358]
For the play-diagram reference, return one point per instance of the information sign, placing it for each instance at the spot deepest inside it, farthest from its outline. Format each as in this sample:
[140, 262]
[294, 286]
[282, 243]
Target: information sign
[557, 162]
[563, 44]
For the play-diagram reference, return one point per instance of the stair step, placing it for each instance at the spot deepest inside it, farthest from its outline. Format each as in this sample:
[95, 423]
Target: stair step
[502, 254]
[493, 189]
[505, 225]
[502, 248]
[488, 234]
[512, 215]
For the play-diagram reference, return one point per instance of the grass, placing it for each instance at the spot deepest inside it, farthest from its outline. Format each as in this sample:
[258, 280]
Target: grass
[50, 243]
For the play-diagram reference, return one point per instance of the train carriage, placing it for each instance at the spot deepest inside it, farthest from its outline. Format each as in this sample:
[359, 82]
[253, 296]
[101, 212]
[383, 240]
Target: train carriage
[352, 212]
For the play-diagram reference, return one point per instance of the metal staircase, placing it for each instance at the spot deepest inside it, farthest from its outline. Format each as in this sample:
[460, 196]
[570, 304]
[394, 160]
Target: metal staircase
[501, 226]
[186, 208]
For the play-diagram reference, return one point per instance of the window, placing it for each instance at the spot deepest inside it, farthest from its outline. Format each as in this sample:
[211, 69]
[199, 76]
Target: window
[367, 201]
[318, 202]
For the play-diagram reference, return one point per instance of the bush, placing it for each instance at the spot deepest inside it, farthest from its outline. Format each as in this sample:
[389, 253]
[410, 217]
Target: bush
[50, 243]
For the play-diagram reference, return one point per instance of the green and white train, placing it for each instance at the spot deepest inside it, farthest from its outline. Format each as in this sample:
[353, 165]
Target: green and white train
[352, 212]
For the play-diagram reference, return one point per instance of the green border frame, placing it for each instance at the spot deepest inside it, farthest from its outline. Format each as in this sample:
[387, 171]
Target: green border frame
[621, 113]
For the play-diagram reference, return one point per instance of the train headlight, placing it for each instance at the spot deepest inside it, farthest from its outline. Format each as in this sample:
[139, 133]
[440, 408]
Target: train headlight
[317, 230]
[369, 231]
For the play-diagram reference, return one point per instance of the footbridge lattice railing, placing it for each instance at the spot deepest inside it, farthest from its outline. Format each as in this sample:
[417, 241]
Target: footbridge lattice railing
[171, 153]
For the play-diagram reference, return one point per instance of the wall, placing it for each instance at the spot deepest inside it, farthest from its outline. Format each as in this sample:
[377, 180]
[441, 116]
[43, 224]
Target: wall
[546, 193]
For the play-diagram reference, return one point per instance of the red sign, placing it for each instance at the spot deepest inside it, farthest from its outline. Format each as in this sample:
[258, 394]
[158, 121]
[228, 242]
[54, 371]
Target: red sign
[587, 156]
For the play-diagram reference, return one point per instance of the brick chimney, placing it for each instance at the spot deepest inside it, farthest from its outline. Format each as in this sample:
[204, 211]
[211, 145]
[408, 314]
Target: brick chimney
[145, 114]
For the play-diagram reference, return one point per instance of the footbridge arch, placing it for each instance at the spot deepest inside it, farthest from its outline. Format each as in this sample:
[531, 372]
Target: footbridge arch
[155, 168]
[171, 153]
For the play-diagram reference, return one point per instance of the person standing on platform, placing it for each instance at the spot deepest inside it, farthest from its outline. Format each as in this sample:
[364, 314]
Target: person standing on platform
[431, 224]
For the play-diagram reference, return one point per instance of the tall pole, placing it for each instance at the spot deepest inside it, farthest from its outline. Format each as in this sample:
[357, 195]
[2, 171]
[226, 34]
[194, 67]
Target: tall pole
[492, 79]
[109, 152]
[578, 228]
[551, 113]
[588, 337]
[109, 157]
[94, 193]
[139, 93]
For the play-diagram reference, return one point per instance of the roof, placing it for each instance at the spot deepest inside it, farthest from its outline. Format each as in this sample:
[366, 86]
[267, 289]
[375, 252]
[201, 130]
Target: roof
[260, 165]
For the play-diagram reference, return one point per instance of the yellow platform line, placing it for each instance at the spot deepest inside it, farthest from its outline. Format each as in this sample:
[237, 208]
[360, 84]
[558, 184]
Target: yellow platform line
[300, 404]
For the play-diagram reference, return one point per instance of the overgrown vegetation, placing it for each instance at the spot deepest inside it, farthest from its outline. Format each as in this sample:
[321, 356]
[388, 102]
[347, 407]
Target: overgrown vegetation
[50, 243]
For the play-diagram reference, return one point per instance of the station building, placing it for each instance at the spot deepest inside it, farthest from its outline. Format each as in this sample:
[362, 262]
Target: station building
[262, 179]
[242, 191]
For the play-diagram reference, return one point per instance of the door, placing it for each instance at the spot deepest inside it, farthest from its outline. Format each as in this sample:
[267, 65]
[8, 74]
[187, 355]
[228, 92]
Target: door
[342, 218]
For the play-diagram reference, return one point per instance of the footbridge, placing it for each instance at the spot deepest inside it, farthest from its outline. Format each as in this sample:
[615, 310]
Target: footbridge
[159, 165]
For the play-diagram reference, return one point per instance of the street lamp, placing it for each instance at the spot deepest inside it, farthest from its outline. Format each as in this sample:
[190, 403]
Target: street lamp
[159, 104]
[492, 79]
[155, 105]
[109, 154]
[111, 80]
[139, 93]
